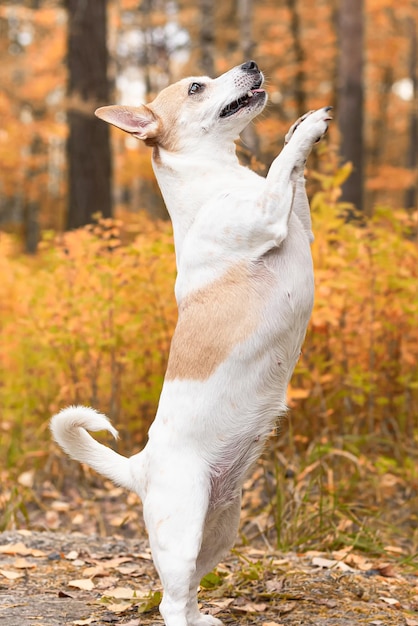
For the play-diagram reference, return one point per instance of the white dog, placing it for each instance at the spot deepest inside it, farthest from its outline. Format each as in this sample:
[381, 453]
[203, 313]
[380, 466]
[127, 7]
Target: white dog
[244, 291]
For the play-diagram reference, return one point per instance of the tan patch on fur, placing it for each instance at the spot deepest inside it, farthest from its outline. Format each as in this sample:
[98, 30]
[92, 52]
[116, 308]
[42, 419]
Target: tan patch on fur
[213, 320]
[166, 108]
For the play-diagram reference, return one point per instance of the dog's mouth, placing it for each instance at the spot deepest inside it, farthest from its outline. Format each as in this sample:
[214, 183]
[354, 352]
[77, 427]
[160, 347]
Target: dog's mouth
[244, 101]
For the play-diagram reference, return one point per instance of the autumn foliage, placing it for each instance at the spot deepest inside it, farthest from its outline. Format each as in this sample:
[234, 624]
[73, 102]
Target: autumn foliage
[89, 320]
[359, 369]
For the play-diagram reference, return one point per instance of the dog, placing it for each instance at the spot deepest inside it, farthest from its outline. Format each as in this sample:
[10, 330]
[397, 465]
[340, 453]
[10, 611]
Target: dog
[244, 291]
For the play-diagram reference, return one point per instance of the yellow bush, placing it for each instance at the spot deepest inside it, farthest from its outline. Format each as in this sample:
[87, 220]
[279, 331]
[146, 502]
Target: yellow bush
[89, 320]
[359, 370]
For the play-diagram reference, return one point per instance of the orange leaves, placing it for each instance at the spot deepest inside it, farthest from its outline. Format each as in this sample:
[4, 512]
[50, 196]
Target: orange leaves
[89, 320]
[390, 177]
[361, 347]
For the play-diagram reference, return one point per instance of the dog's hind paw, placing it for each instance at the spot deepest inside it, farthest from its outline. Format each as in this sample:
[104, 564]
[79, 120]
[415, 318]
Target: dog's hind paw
[206, 620]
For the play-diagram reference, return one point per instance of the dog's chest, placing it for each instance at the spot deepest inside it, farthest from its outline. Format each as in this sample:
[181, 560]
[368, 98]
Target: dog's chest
[255, 307]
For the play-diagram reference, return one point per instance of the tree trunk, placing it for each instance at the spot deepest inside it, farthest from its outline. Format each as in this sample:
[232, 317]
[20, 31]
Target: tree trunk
[88, 147]
[207, 36]
[249, 136]
[350, 102]
[411, 194]
[31, 206]
[295, 29]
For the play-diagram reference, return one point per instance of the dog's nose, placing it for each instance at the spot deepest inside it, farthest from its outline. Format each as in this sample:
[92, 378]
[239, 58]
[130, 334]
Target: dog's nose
[250, 66]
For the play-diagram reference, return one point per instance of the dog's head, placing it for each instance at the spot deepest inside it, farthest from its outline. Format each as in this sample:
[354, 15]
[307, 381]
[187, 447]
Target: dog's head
[194, 110]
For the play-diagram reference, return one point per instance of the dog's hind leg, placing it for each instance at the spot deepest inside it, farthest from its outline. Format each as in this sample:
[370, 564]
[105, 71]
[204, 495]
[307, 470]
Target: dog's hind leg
[175, 509]
[219, 536]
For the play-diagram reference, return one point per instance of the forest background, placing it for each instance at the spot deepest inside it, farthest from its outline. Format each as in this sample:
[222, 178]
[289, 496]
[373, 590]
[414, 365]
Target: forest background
[87, 314]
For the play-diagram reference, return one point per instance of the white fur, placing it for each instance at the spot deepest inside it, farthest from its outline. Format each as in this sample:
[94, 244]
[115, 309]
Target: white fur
[235, 233]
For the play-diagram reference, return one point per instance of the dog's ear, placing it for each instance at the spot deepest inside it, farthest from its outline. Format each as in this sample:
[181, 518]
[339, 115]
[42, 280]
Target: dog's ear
[138, 121]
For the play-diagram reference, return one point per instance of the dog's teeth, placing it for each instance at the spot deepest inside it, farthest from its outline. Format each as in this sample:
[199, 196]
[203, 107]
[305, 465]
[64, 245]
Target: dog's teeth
[250, 94]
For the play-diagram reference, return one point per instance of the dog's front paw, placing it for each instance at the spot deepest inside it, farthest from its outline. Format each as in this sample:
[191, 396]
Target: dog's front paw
[314, 122]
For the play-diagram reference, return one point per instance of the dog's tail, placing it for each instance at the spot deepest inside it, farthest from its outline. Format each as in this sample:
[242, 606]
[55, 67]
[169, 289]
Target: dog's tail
[69, 429]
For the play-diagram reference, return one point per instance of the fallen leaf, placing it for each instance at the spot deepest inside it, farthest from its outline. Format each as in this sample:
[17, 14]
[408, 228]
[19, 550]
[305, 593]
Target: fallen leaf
[341, 555]
[117, 561]
[20, 549]
[83, 622]
[359, 562]
[118, 607]
[26, 478]
[387, 570]
[108, 582]
[151, 602]
[330, 604]
[391, 601]
[82, 583]
[22, 563]
[311, 553]
[211, 580]
[15, 548]
[59, 506]
[272, 624]
[118, 520]
[72, 556]
[275, 586]
[143, 555]
[222, 604]
[286, 607]
[129, 570]
[123, 593]
[411, 622]
[52, 519]
[11, 575]
[251, 607]
[319, 561]
[97, 570]
[394, 549]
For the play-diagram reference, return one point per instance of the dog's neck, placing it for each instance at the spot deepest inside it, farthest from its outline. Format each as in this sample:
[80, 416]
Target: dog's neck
[188, 180]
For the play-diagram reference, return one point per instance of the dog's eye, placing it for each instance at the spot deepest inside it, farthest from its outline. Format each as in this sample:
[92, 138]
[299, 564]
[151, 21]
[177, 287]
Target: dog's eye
[195, 88]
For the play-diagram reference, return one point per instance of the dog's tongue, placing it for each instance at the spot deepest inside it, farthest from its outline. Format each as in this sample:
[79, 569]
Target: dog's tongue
[251, 92]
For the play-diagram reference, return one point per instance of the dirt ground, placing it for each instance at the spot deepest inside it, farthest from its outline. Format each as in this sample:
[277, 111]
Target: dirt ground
[52, 578]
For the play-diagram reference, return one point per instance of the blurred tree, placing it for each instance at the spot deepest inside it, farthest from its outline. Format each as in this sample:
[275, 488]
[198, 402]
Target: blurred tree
[351, 97]
[31, 204]
[411, 193]
[154, 42]
[300, 58]
[249, 135]
[89, 157]
[207, 37]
